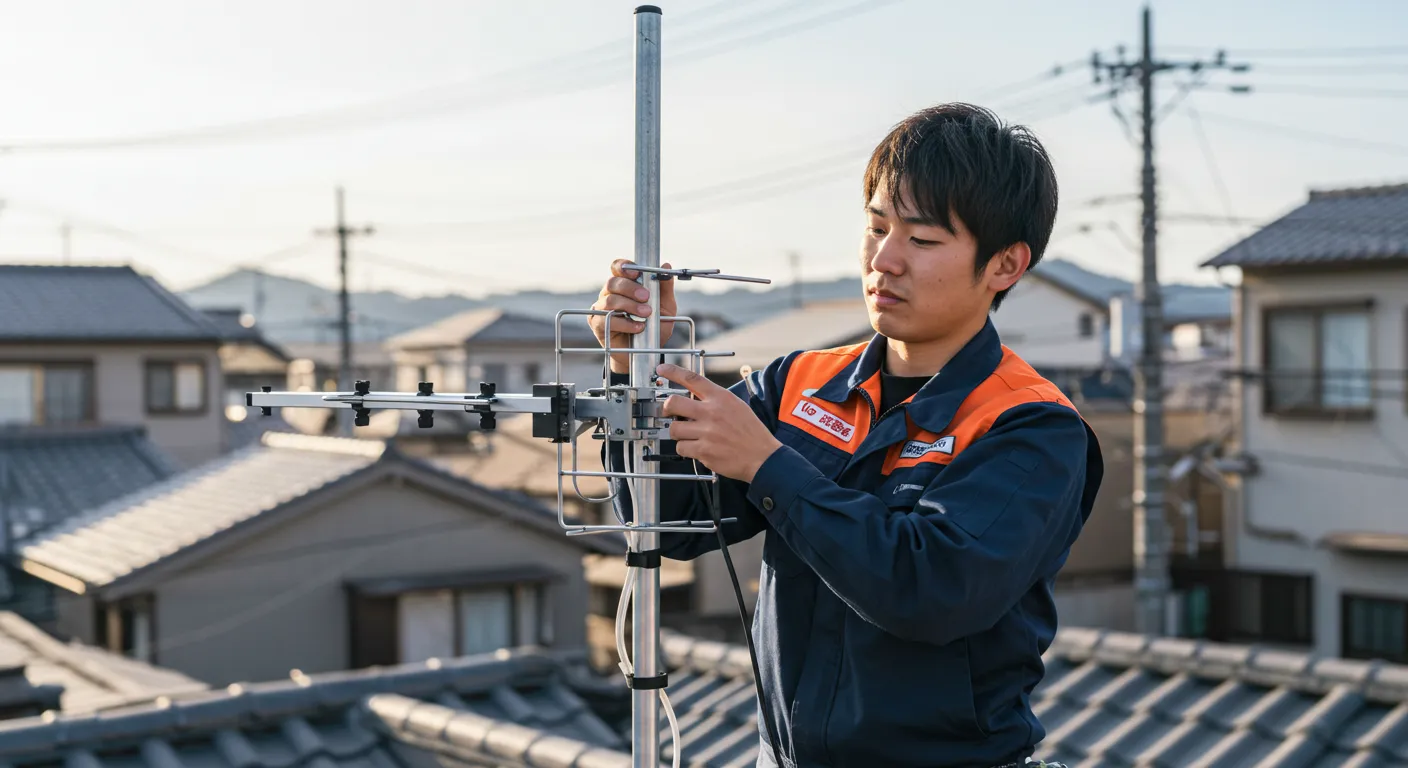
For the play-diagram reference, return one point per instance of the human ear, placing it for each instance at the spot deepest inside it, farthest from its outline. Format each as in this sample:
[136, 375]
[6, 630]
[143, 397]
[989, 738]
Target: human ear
[1007, 266]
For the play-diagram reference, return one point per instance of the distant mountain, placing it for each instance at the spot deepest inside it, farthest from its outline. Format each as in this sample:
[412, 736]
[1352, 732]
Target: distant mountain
[298, 311]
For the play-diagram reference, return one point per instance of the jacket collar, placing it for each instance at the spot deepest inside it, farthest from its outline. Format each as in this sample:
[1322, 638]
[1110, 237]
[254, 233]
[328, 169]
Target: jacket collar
[934, 405]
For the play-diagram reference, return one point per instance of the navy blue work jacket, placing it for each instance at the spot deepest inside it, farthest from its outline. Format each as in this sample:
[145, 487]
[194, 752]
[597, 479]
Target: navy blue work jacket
[905, 597]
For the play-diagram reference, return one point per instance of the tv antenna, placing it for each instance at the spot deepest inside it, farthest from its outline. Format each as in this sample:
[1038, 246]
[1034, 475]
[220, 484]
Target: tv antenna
[629, 414]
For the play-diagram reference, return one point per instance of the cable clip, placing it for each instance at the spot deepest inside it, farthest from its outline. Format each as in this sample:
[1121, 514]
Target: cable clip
[655, 683]
[647, 559]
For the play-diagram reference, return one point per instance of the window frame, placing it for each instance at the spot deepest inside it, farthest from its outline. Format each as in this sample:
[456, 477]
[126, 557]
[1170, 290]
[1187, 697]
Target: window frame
[1265, 579]
[1316, 310]
[108, 617]
[173, 363]
[90, 405]
[1347, 649]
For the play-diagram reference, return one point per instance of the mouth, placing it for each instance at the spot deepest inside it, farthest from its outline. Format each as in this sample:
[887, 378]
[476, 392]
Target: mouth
[884, 298]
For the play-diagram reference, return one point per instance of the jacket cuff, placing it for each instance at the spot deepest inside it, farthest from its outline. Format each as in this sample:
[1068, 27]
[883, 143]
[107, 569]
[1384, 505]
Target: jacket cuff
[779, 481]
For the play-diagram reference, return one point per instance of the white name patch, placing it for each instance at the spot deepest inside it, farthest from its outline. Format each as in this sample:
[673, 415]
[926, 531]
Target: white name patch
[914, 448]
[823, 418]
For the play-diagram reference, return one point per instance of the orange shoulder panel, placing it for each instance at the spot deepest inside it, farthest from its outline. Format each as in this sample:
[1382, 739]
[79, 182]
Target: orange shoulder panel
[1014, 383]
[842, 425]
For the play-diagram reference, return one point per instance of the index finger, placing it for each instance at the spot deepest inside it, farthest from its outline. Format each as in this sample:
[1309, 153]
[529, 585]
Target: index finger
[698, 385]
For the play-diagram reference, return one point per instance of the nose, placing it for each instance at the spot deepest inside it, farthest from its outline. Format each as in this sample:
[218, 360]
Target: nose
[888, 257]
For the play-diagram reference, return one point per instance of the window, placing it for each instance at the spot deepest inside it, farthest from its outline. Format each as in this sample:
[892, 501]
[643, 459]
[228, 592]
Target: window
[127, 627]
[1317, 360]
[416, 625]
[1087, 325]
[1269, 607]
[496, 373]
[1374, 628]
[46, 393]
[175, 387]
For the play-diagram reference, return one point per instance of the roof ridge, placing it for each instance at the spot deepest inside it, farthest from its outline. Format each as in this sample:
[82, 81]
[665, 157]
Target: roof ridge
[1360, 191]
[299, 692]
[351, 446]
[192, 314]
[466, 734]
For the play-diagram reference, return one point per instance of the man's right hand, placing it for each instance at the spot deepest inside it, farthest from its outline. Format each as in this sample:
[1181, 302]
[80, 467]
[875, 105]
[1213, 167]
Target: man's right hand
[623, 294]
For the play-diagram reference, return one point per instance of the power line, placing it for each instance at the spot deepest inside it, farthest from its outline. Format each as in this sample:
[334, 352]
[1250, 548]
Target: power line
[1334, 92]
[565, 74]
[1325, 138]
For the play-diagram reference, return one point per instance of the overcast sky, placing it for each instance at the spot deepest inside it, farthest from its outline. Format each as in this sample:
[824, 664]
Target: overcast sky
[491, 143]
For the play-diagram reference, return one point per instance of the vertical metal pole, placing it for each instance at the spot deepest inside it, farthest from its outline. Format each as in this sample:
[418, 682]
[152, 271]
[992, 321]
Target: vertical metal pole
[1151, 549]
[645, 636]
[344, 317]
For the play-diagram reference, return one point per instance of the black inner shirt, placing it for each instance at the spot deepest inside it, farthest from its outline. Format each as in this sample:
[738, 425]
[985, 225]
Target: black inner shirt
[896, 389]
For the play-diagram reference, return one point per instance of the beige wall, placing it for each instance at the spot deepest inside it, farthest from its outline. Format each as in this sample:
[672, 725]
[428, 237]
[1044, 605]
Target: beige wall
[1310, 500]
[1042, 325]
[277, 602]
[120, 392]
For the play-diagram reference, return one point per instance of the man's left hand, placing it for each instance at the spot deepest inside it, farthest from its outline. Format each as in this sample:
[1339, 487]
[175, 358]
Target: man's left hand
[719, 428]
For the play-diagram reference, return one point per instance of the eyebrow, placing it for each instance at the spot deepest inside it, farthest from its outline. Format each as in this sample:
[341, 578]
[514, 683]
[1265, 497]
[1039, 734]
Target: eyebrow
[920, 221]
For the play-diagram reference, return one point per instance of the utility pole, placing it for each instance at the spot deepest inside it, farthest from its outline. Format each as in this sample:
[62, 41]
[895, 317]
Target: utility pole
[1152, 543]
[344, 368]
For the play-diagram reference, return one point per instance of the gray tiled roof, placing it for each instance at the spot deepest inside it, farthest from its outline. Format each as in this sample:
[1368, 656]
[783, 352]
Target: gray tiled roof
[507, 709]
[138, 531]
[47, 303]
[50, 474]
[1182, 302]
[91, 678]
[486, 326]
[1332, 227]
[1118, 699]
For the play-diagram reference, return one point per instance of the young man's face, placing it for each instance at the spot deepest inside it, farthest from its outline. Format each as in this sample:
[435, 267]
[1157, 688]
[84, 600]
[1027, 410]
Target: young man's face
[919, 279]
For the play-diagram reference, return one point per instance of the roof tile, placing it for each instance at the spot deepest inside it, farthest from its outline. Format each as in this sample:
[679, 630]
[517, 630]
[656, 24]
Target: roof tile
[50, 303]
[1331, 227]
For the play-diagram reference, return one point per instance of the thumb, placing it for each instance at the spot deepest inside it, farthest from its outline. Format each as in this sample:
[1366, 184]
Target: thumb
[667, 287]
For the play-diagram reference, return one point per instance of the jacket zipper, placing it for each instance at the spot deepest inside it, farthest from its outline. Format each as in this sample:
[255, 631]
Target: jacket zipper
[871, 403]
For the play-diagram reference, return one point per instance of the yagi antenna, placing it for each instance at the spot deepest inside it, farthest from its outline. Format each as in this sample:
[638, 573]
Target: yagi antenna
[628, 414]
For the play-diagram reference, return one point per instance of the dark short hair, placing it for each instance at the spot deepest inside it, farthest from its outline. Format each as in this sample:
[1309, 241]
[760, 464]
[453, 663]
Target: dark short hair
[962, 160]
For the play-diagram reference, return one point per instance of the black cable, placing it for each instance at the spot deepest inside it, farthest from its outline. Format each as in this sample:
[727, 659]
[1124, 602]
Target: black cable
[743, 616]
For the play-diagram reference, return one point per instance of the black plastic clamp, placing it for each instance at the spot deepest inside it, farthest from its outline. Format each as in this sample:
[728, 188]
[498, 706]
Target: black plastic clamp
[363, 417]
[265, 410]
[655, 683]
[553, 425]
[649, 558]
[426, 419]
[487, 418]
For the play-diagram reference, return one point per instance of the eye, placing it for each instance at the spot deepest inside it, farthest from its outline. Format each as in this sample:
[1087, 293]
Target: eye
[923, 243]
[877, 231]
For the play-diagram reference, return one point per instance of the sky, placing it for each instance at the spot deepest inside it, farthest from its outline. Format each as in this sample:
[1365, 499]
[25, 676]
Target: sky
[490, 144]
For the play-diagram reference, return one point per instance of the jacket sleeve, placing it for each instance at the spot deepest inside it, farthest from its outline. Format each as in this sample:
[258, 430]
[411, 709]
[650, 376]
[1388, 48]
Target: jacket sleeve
[998, 518]
[686, 500]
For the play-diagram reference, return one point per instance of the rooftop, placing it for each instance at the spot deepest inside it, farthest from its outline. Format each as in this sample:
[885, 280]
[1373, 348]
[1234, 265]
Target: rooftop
[91, 678]
[1333, 227]
[139, 531]
[50, 474]
[51, 303]
[1182, 303]
[488, 326]
[819, 325]
[1109, 698]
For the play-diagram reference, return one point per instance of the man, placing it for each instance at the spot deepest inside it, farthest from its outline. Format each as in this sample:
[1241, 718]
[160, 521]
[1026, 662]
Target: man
[918, 492]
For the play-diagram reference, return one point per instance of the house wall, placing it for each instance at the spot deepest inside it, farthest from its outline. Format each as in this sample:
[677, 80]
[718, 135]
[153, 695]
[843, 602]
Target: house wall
[1041, 323]
[119, 382]
[584, 370]
[1312, 477]
[277, 601]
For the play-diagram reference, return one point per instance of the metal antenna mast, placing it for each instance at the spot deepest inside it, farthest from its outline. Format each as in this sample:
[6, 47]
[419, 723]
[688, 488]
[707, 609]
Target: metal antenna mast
[645, 710]
[628, 414]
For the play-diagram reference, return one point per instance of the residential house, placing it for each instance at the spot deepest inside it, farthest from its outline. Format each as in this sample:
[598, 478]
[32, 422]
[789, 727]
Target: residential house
[106, 345]
[51, 474]
[249, 361]
[315, 553]
[1318, 545]
[40, 673]
[512, 351]
[1107, 699]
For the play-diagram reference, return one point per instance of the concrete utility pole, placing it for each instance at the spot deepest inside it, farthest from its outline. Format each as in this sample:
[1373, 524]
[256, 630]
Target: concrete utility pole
[795, 259]
[1152, 544]
[344, 368]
